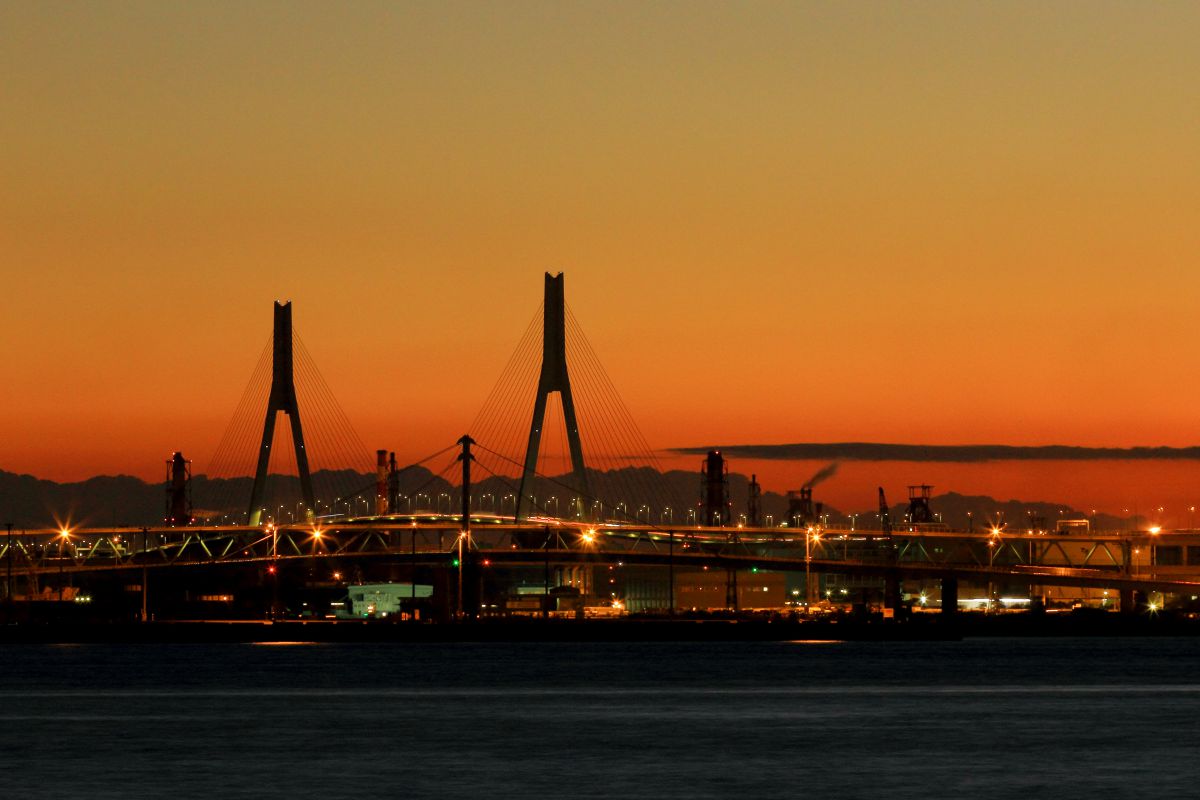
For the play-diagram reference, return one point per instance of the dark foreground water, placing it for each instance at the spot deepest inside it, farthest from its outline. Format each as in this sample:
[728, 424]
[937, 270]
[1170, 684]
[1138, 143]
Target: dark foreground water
[1094, 718]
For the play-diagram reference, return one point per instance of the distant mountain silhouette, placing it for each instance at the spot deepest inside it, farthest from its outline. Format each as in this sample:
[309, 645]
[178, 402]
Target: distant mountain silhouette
[29, 502]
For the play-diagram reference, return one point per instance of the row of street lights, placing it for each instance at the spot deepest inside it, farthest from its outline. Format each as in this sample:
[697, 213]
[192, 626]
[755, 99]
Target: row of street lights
[444, 502]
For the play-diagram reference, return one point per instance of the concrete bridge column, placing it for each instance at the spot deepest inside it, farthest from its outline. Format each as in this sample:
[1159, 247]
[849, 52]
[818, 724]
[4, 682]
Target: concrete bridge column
[1037, 599]
[891, 593]
[1126, 600]
[949, 596]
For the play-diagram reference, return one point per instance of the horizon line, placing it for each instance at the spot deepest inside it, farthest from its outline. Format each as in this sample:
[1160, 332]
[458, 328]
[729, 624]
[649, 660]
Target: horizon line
[962, 454]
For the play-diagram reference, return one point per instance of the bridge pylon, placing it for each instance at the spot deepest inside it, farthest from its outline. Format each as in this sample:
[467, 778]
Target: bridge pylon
[282, 398]
[554, 378]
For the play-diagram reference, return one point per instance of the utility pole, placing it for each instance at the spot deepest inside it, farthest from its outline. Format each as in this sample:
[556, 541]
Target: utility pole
[62, 541]
[671, 573]
[8, 597]
[145, 576]
[808, 587]
[274, 571]
[468, 578]
[891, 585]
[546, 575]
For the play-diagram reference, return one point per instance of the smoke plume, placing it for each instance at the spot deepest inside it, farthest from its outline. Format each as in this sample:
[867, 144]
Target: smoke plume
[823, 474]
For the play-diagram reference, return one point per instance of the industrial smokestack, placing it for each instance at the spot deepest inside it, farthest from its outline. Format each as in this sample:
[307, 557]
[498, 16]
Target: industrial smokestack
[381, 481]
[715, 490]
[753, 516]
[393, 485]
[179, 500]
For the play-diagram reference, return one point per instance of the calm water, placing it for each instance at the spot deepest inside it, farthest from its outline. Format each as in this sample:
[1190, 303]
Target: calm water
[976, 719]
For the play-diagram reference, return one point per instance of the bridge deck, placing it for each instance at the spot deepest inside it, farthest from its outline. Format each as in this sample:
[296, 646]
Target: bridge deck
[1109, 560]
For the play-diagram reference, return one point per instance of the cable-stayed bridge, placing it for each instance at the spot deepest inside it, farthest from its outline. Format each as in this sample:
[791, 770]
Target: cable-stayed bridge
[562, 478]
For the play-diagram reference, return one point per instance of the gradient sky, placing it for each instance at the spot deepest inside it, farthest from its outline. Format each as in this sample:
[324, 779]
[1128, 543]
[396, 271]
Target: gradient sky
[923, 222]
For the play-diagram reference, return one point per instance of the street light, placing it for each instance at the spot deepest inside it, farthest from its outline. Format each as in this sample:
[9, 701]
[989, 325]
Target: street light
[64, 537]
[993, 548]
[9, 556]
[811, 536]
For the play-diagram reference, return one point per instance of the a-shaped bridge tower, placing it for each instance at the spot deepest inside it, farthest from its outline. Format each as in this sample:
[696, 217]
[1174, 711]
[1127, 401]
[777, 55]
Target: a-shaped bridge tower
[282, 398]
[554, 378]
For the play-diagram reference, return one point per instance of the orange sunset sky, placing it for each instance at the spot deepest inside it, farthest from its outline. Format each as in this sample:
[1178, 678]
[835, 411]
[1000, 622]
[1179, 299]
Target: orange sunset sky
[931, 223]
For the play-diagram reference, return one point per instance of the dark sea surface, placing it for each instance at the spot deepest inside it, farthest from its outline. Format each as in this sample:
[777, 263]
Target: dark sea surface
[983, 718]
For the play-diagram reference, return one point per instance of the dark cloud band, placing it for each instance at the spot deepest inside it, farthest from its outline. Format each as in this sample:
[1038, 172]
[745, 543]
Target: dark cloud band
[968, 453]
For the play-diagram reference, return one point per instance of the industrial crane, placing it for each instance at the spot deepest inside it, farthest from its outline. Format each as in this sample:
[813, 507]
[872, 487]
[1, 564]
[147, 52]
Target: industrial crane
[885, 519]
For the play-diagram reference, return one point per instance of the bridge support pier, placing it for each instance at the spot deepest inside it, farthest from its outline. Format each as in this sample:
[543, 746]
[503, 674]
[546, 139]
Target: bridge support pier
[892, 594]
[949, 597]
[1127, 602]
[1037, 600]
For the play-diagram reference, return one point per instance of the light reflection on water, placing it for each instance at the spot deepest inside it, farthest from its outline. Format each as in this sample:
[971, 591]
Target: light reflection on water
[994, 718]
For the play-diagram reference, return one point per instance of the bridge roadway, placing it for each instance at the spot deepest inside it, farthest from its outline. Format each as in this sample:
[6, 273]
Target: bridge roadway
[1108, 561]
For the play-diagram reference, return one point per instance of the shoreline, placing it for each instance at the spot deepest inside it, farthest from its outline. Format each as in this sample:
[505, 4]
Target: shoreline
[600, 631]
